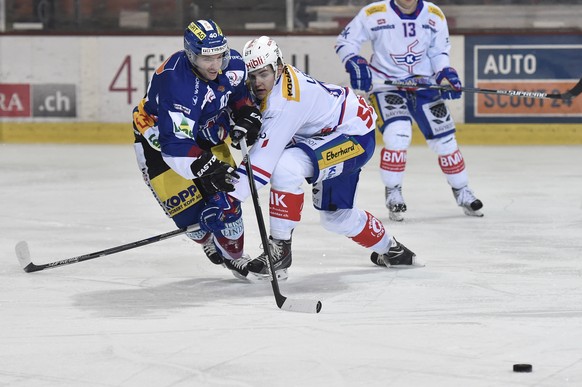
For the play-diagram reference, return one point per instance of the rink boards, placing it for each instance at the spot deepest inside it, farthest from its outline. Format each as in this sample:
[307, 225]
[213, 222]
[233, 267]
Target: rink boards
[82, 89]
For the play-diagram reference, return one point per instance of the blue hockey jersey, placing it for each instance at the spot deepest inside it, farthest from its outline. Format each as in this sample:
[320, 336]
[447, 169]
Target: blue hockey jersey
[180, 108]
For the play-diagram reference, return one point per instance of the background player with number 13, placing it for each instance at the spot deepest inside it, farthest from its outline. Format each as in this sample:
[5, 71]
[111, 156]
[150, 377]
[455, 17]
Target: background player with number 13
[410, 41]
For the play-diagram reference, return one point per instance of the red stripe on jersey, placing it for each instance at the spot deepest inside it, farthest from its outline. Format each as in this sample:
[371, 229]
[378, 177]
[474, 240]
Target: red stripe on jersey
[261, 171]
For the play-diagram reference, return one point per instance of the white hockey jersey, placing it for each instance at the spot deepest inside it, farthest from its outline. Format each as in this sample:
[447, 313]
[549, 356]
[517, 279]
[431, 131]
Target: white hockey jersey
[297, 108]
[403, 45]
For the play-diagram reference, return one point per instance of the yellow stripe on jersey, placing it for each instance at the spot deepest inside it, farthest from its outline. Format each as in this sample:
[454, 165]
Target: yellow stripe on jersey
[263, 105]
[434, 10]
[291, 90]
[375, 9]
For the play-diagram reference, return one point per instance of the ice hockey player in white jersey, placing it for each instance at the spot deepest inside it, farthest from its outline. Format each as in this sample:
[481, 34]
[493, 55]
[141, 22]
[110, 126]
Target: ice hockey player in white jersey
[410, 41]
[315, 132]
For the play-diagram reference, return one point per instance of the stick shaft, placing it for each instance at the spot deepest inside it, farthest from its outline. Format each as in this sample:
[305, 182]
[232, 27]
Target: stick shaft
[279, 298]
[29, 267]
[284, 303]
[573, 92]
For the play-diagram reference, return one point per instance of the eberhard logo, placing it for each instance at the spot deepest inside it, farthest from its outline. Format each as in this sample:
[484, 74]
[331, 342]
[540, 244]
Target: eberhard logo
[340, 154]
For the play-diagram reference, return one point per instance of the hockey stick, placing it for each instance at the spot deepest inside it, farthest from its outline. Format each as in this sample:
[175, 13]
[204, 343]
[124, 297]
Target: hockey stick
[23, 253]
[573, 92]
[305, 306]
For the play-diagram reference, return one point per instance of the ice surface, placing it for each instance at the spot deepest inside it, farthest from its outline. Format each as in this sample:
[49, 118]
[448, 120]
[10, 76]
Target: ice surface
[497, 290]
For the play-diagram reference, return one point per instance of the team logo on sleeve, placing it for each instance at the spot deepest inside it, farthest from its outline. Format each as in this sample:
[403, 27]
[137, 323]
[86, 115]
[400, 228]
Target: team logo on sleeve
[235, 77]
[345, 32]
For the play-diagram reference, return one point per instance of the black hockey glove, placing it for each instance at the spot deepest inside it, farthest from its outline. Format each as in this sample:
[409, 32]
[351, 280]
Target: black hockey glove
[247, 124]
[213, 175]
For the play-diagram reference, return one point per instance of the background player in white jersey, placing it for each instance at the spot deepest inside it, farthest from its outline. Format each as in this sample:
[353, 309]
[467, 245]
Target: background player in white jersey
[314, 132]
[410, 40]
[180, 127]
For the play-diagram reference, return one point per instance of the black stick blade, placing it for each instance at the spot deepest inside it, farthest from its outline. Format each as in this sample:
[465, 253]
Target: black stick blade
[573, 92]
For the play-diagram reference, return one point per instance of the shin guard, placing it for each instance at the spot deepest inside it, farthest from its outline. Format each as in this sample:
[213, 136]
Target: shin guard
[373, 235]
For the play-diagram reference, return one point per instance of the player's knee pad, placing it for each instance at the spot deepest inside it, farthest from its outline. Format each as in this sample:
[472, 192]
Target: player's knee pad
[397, 137]
[397, 134]
[348, 221]
[443, 145]
[293, 168]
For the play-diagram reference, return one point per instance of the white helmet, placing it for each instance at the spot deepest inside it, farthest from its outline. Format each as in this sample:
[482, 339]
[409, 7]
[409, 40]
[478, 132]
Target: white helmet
[262, 52]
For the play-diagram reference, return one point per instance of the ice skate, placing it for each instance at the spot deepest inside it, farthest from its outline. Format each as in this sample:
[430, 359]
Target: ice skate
[395, 203]
[239, 267]
[397, 256]
[281, 254]
[467, 200]
[211, 252]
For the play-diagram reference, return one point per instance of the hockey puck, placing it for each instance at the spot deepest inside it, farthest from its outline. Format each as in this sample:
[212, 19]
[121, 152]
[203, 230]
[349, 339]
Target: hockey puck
[522, 368]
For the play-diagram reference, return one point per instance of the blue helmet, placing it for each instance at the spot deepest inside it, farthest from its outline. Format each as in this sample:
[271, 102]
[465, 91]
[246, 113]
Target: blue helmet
[204, 37]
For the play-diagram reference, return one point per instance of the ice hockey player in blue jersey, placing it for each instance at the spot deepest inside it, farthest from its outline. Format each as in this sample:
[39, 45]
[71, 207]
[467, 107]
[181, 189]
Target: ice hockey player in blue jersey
[180, 129]
[410, 41]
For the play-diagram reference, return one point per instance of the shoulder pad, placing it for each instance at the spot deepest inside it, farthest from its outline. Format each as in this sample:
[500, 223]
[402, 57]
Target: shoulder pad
[171, 62]
[436, 11]
[375, 8]
[236, 61]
